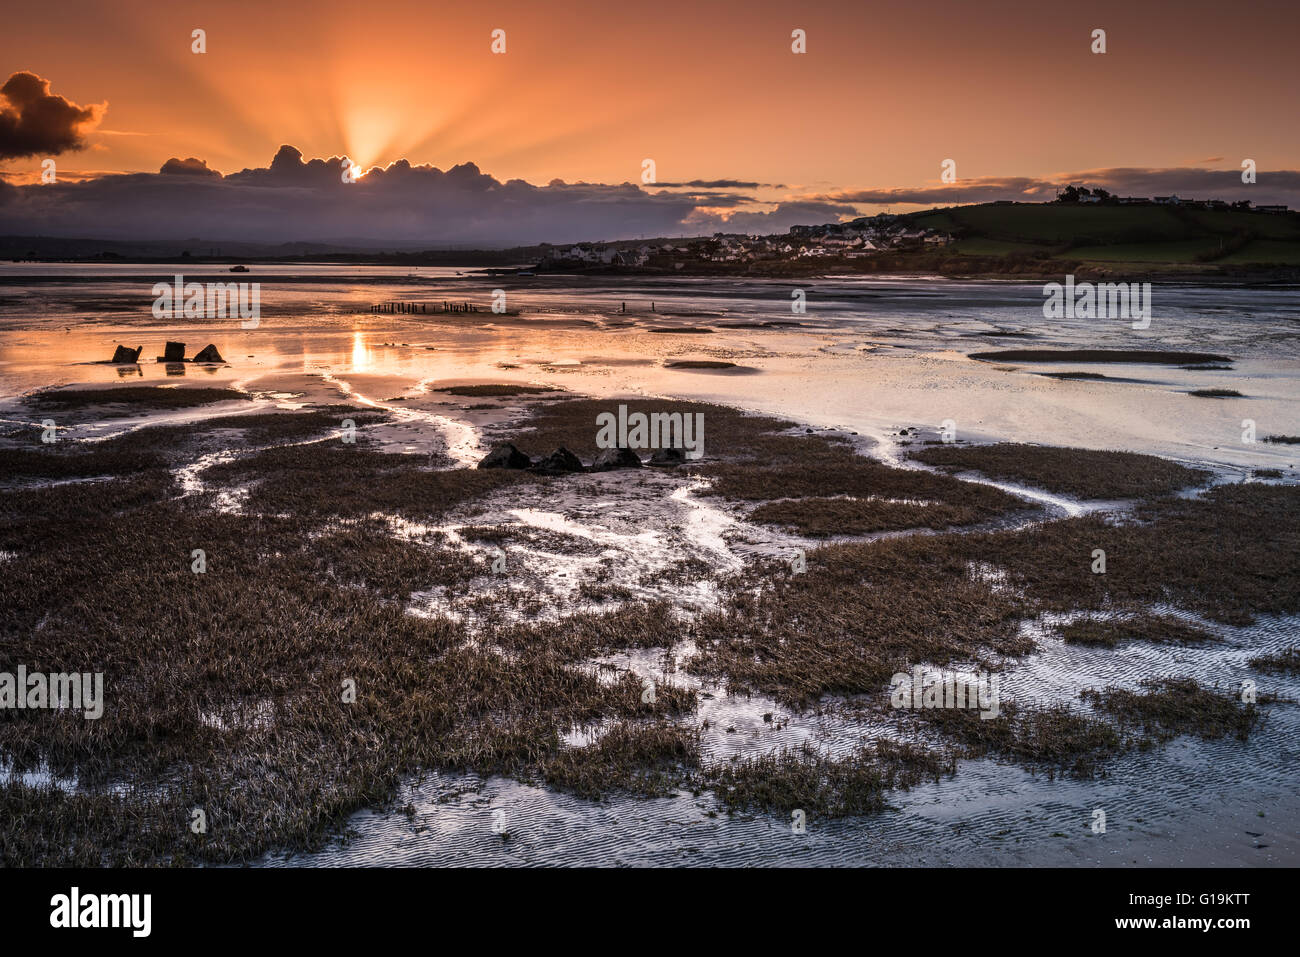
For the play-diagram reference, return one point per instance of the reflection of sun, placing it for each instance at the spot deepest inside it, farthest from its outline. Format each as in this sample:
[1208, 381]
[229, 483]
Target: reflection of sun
[360, 353]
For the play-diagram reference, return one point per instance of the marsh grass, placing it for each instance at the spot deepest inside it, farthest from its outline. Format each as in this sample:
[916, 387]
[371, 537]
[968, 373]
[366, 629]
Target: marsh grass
[1141, 356]
[824, 787]
[1286, 661]
[825, 517]
[282, 615]
[135, 396]
[342, 479]
[858, 615]
[646, 760]
[1053, 739]
[495, 390]
[1083, 473]
[1112, 632]
[1169, 707]
[307, 588]
[155, 447]
[1229, 555]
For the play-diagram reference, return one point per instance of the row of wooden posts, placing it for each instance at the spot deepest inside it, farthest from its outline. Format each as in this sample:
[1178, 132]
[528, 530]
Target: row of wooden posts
[422, 307]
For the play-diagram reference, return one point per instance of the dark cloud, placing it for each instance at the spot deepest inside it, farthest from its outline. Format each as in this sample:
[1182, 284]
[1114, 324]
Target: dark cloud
[294, 199]
[1273, 186]
[964, 191]
[719, 184]
[37, 123]
[187, 167]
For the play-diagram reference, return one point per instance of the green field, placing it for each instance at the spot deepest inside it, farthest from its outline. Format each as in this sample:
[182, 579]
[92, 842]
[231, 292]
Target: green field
[1146, 235]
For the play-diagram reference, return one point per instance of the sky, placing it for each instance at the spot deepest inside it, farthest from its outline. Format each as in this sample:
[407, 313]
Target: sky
[757, 136]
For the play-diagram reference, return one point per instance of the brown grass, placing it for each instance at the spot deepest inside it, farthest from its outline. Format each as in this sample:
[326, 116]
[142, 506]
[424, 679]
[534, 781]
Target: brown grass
[824, 517]
[1141, 356]
[1286, 661]
[1173, 706]
[1111, 632]
[823, 787]
[137, 396]
[495, 390]
[1083, 473]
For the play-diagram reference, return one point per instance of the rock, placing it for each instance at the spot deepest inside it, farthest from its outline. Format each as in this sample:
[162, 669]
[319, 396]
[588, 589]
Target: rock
[559, 462]
[505, 456]
[173, 352]
[208, 353]
[122, 354]
[610, 459]
[668, 457]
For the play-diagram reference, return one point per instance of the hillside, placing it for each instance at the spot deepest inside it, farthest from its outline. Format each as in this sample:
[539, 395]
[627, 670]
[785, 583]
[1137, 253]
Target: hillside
[1145, 236]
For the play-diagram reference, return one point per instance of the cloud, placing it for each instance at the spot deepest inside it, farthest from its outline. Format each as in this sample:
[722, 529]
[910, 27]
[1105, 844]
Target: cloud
[1276, 186]
[187, 167]
[37, 123]
[778, 220]
[296, 199]
[719, 184]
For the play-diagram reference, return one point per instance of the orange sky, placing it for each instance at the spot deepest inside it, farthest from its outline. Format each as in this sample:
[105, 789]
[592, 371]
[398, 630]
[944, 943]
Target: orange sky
[885, 92]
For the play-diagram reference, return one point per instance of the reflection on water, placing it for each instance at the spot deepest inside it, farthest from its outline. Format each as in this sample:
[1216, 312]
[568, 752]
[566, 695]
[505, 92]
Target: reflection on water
[870, 356]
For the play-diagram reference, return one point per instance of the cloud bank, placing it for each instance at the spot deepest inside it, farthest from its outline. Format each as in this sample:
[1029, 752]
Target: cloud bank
[295, 199]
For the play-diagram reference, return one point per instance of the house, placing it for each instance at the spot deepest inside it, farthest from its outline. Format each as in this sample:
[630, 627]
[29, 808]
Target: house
[1168, 201]
[1270, 209]
[1132, 200]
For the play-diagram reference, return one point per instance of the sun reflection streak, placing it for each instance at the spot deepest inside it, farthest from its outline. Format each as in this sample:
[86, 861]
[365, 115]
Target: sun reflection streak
[362, 356]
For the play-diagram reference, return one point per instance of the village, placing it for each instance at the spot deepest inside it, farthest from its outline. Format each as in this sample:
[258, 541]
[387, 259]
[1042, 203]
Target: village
[855, 239]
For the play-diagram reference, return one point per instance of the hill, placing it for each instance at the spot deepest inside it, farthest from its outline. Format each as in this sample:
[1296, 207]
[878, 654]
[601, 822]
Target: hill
[1110, 236]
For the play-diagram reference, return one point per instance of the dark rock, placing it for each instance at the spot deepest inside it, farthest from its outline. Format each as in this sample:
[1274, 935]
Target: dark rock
[122, 354]
[610, 459]
[668, 457]
[559, 462]
[505, 456]
[173, 352]
[208, 353]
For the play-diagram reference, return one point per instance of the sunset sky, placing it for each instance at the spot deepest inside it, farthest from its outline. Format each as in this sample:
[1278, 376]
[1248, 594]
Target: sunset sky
[710, 91]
